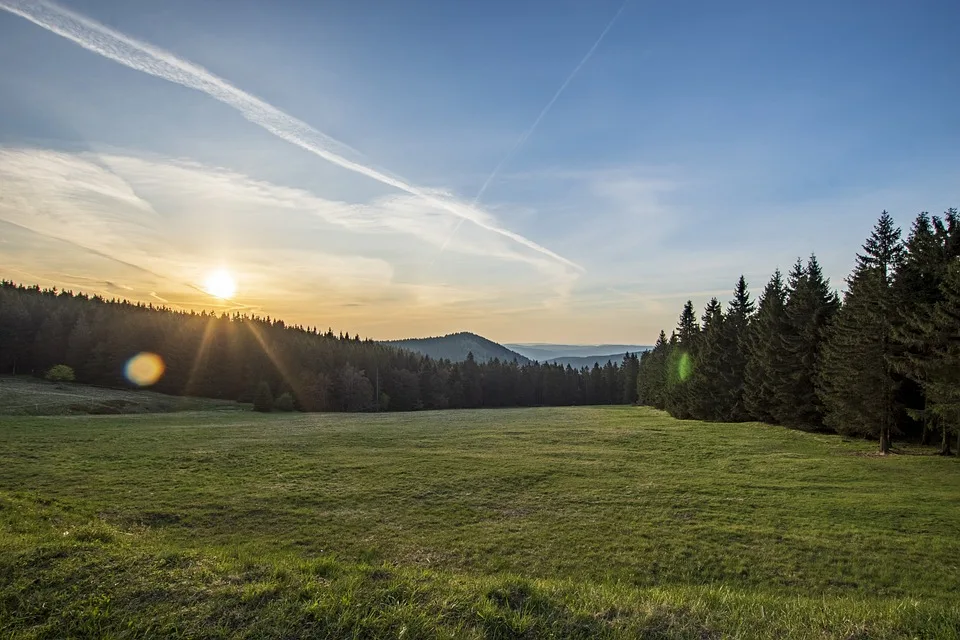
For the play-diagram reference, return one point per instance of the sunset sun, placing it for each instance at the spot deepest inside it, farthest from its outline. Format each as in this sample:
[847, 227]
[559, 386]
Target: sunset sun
[221, 284]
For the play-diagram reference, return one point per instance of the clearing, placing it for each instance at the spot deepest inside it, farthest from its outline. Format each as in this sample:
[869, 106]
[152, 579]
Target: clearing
[560, 522]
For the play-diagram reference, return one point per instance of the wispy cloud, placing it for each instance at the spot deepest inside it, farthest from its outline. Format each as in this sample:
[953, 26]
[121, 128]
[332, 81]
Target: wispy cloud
[163, 224]
[540, 116]
[556, 96]
[100, 39]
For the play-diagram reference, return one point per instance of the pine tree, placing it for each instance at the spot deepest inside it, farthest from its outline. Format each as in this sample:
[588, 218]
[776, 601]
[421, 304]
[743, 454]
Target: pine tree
[810, 307]
[651, 377]
[472, 385]
[765, 353]
[917, 288]
[680, 398]
[629, 371]
[735, 342]
[706, 386]
[936, 364]
[920, 285]
[857, 384]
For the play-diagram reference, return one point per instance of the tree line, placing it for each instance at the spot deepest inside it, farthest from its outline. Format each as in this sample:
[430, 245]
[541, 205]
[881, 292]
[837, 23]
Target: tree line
[236, 356]
[883, 363]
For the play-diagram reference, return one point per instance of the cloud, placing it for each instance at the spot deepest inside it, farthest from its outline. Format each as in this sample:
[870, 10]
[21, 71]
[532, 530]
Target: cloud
[163, 224]
[157, 62]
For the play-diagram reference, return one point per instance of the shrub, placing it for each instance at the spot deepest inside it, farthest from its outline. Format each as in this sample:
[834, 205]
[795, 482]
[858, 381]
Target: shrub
[284, 402]
[60, 373]
[263, 400]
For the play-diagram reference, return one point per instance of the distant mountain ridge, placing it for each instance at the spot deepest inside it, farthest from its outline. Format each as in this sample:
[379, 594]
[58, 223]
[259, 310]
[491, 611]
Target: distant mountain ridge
[578, 362]
[586, 353]
[456, 346]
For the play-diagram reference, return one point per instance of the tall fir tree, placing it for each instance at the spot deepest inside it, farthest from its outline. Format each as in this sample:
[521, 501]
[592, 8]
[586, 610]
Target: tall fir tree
[735, 343]
[680, 398]
[917, 288]
[920, 284]
[765, 352]
[857, 384]
[936, 365]
[710, 398]
[652, 375]
[811, 305]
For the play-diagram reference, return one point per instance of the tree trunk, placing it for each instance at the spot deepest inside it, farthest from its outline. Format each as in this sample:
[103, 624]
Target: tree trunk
[945, 441]
[884, 441]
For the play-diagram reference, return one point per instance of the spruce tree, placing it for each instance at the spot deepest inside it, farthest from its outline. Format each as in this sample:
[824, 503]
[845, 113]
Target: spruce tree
[932, 247]
[765, 353]
[680, 398]
[857, 384]
[710, 398]
[735, 343]
[917, 288]
[810, 306]
[935, 365]
[652, 376]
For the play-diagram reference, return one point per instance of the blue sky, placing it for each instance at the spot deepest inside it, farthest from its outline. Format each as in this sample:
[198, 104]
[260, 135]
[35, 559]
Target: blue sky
[700, 141]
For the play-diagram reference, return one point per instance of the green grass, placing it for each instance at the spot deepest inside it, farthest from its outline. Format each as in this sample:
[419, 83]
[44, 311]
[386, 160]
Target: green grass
[27, 396]
[582, 522]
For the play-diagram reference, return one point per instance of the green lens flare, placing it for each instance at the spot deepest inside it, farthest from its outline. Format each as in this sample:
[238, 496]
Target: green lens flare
[684, 366]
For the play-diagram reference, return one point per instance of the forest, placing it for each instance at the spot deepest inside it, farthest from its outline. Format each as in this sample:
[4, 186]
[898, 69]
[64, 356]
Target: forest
[240, 357]
[882, 363]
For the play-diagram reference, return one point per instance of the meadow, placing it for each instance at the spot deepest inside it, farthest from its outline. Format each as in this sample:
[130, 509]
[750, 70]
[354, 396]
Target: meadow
[586, 522]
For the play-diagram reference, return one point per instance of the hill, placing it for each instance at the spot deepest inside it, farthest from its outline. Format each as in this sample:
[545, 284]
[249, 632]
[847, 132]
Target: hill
[517, 523]
[548, 352]
[456, 346]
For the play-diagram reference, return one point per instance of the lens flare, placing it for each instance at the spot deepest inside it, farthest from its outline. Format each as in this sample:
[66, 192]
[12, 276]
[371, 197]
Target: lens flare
[685, 366]
[144, 369]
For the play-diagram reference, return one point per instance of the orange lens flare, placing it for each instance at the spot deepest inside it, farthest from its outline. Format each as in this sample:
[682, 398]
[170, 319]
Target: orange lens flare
[144, 369]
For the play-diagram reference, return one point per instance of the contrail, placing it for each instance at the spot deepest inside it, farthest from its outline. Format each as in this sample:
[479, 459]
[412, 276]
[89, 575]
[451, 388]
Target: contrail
[103, 40]
[526, 134]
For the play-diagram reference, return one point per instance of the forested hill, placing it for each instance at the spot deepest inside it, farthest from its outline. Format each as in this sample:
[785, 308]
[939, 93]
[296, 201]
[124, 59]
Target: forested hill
[884, 363]
[237, 357]
[456, 346]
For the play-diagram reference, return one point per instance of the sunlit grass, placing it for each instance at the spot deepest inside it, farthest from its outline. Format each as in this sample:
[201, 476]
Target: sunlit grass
[501, 523]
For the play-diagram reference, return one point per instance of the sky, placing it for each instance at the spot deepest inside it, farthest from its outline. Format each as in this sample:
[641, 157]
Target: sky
[533, 171]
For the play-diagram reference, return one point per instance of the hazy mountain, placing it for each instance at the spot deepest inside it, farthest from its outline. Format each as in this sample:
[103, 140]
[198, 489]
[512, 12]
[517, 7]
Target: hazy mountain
[578, 362]
[456, 346]
[545, 352]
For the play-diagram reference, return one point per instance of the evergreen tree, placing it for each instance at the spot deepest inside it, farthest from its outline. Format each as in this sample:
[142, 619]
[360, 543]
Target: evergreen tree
[710, 397]
[733, 362]
[936, 364]
[810, 307]
[472, 386]
[857, 384]
[679, 395]
[765, 353]
[652, 374]
[630, 371]
[931, 248]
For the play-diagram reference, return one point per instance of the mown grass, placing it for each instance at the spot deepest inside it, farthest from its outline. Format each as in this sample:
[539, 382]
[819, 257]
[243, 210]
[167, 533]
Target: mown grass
[582, 522]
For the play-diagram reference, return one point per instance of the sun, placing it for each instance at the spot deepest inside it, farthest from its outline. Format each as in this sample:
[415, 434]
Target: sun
[221, 284]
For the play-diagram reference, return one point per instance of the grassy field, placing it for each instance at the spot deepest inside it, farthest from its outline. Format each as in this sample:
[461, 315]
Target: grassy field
[27, 396]
[574, 522]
